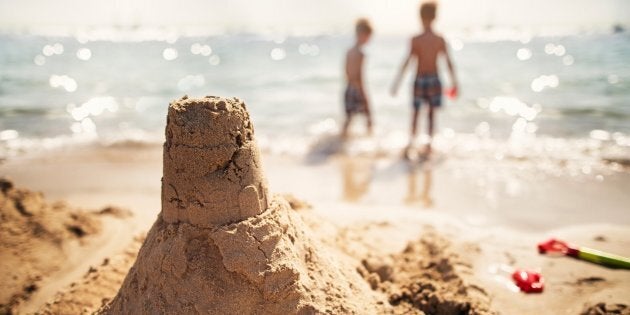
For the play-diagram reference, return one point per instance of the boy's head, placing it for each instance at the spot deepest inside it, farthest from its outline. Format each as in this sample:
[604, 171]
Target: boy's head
[427, 12]
[363, 30]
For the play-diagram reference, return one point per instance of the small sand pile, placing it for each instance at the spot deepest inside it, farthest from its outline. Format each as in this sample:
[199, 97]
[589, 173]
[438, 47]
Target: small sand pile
[606, 309]
[425, 278]
[222, 244]
[32, 236]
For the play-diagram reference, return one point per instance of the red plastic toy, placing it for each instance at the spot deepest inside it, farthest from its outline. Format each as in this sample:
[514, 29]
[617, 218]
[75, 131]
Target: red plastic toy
[528, 281]
[451, 93]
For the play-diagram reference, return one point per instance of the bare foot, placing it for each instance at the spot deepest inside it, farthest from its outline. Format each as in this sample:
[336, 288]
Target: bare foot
[409, 154]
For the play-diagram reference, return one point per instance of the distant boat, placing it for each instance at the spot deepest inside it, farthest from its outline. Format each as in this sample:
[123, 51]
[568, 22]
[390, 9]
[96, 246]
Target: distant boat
[618, 28]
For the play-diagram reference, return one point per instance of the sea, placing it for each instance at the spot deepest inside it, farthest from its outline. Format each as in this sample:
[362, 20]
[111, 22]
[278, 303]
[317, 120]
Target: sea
[561, 103]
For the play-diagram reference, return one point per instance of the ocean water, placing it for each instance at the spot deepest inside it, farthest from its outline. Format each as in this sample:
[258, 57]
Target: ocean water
[562, 99]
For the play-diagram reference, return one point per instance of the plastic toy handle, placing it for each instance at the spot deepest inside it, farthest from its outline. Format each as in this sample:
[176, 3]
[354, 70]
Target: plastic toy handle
[603, 258]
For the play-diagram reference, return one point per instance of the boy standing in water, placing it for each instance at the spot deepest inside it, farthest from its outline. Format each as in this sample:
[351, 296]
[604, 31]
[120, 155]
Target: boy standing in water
[425, 50]
[355, 97]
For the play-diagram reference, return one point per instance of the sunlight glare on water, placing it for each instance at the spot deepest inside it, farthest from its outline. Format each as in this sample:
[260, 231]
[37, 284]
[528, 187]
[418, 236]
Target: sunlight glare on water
[278, 54]
[308, 49]
[190, 82]
[568, 60]
[545, 81]
[214, 60]
[523, 54]
[84, 54]
[169, 54]
[63, 81]
[39, 60]
[93, 107]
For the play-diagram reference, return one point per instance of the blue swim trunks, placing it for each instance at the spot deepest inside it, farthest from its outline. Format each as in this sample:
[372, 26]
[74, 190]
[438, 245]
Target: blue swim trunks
[353, 100]
[427, 88]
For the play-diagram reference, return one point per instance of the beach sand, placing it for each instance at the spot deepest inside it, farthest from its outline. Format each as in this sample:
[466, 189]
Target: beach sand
[414, 238]
[44, 245]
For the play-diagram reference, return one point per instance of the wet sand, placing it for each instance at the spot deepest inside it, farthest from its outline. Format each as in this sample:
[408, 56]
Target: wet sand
[377, 206]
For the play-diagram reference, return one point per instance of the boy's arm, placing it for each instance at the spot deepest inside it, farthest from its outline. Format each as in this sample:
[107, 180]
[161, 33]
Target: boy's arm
[347, 67]
[362, 88]
[451, 68]
[401, 72]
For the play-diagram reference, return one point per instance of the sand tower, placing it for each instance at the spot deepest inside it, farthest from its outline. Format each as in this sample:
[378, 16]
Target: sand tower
[222, 244]
[212, 172]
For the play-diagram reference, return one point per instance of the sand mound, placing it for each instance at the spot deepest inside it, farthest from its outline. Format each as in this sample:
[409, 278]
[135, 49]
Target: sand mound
[606, 309]
[425, 278]
[32, 238]
[221, 244]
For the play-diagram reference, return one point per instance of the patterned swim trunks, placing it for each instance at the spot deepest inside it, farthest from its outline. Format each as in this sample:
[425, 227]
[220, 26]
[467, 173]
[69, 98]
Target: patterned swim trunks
[427, 88]
[353, 100]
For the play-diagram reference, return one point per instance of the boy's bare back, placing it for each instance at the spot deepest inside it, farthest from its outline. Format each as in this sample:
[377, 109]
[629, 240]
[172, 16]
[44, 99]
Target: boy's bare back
[427, 47]
[354, 62]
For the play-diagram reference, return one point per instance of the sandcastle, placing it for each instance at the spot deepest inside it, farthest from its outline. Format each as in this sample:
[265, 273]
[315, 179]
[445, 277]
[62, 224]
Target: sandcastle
[212, 173]
[222, 244]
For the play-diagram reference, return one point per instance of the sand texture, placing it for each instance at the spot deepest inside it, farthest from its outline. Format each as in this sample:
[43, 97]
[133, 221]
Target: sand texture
[97, 286]
[219, 246]
[606, 309]
[425, 278]
[34, 234]
[211, 173]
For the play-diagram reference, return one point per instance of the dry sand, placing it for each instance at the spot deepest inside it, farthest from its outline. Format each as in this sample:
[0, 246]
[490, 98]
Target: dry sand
[96, 287]
[36, 237]
[425, 277]
[603, 308]
[286, 255]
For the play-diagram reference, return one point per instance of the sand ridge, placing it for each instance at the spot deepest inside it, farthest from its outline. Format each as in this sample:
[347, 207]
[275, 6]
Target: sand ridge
[97, 286]
[35, 235]
[426, 277]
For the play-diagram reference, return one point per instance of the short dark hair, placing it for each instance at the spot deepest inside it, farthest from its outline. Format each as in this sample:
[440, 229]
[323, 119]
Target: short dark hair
[363, 26]
[427, 10]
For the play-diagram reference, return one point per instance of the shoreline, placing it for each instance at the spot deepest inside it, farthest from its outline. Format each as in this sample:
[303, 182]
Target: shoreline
[481, 195]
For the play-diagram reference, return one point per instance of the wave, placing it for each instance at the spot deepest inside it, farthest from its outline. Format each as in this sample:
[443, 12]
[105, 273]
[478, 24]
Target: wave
[607, 112]
[27, 111]
[593, 156]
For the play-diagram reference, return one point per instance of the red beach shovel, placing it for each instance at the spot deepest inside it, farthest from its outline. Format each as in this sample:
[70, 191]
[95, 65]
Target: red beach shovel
[558, 247]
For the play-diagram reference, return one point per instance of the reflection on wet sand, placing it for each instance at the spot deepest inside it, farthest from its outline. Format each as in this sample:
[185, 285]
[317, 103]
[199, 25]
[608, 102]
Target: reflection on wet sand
[356, 177]
[358, 174]
[414, 194]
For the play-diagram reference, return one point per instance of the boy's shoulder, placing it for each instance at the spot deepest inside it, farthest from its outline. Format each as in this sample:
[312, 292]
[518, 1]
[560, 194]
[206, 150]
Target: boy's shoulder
[427, 39]
[427, 36]
[354, 51]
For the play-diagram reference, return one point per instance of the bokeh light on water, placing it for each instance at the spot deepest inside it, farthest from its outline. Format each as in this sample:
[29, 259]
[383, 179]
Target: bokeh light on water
[84, 54]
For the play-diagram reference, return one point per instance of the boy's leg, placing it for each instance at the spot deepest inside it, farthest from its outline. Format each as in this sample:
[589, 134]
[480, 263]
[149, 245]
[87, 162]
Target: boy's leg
[417, 101]
[368, 120]
[346, 125]
[414, 126]
[432, 109]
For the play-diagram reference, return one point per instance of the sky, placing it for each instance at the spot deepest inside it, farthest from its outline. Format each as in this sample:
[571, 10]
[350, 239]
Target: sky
[309, 16]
